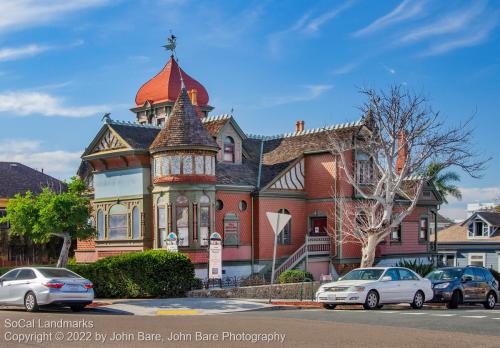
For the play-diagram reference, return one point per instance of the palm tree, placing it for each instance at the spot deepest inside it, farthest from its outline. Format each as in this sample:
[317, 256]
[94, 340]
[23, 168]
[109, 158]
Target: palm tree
[443, 182]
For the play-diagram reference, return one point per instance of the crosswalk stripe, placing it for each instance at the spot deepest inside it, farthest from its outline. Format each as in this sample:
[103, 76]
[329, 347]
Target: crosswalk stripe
[474, 316]
[414, 313]
[495, 318]
[443, 315]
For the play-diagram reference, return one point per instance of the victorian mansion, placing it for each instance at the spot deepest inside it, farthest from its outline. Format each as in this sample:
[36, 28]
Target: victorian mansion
[178, 169]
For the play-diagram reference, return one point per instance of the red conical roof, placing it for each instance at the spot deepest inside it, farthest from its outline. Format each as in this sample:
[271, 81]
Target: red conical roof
[166, 86]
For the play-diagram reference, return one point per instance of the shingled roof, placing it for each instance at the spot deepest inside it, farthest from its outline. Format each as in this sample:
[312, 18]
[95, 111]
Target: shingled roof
[18, 178]
[138, 136]
[183, 128]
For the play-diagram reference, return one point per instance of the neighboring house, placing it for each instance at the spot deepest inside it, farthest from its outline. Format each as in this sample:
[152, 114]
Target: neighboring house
[442, 223]
[179, 170]
[476, 241]
[17, 178]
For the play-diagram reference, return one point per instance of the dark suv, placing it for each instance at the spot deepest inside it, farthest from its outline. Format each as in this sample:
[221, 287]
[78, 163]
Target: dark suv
[471, 284]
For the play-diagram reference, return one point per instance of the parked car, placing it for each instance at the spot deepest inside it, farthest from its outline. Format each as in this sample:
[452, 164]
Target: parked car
[375, 286]
[33, 287]
[471, 284]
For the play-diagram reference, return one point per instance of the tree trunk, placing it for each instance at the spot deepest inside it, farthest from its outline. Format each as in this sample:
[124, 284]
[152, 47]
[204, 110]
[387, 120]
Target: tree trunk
[368, 252]
[63, 256]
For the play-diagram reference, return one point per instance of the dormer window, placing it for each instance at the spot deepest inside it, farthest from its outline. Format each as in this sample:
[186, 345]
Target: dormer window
[478, 229]
[229, 149]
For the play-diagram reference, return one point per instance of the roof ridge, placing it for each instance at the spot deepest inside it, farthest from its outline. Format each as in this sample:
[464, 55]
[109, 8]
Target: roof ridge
[216, 118]
[306, 132]
[133, 124]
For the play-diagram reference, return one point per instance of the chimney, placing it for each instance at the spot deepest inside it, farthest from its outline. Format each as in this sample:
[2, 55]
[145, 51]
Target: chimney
[299, 126]
[402, 153]
[193, 95]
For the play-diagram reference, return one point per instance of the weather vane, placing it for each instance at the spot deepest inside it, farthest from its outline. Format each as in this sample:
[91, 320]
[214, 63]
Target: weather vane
[170, 46]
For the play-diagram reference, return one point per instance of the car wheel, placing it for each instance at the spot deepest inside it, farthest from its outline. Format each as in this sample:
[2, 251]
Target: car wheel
[418, 300]
[77, 308]
[30, 302]
[491, 301]
[371, 301]
[455, 300]
[329, 306]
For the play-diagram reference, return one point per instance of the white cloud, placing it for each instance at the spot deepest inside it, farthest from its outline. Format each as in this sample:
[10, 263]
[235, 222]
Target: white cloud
[275, 39]
[311, 92]
[389, 70]
[451, 23]
[24, 103]
[407, 9]
[345, 69]
[20, 14]
[13, 53]
[59, 163]
[457, 209]
[470, 37]
[315, 24]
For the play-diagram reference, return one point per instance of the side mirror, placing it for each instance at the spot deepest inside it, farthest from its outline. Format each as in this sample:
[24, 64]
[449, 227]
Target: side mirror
[466, 278]
[386, 278]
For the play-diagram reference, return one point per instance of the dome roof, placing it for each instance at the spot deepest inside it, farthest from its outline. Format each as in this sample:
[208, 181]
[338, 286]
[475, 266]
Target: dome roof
[166, 86]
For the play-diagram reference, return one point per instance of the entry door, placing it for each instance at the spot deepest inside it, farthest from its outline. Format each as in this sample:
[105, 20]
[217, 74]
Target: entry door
[318, 226]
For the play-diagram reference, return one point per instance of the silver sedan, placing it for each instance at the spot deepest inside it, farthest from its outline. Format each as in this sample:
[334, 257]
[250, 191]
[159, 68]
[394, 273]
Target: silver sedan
[33, 287]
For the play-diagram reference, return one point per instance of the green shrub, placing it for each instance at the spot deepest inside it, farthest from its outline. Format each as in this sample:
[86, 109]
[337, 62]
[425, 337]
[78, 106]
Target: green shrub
[152, 273]
[417, 266]
[294, 276]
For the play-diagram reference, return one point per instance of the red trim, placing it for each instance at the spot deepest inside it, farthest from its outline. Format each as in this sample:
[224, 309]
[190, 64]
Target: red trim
[185, 178]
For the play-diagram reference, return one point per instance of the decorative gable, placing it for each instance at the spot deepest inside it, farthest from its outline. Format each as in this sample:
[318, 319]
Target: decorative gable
[293, 179]
[109, 141]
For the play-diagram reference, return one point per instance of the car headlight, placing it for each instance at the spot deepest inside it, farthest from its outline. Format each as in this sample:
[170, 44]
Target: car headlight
[357, 288]
[441, 286]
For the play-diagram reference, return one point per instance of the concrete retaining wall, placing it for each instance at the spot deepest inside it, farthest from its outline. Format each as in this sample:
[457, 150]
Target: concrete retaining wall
[280, 291]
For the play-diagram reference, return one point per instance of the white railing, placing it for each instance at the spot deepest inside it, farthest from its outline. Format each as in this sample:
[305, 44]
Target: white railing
[313, 246]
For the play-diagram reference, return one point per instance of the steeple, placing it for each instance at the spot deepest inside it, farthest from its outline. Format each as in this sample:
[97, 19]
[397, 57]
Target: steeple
[183, 129]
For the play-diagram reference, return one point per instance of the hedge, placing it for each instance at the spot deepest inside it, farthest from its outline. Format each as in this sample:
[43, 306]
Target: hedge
[152, 273]
[294, 276]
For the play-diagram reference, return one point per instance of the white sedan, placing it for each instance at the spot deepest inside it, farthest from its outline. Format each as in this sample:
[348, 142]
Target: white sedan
[376, 286]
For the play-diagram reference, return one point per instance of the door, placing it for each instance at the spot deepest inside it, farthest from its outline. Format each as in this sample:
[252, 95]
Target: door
[318, 226]
[482, 287]
[469, 285]
[5, 285]
[409, 284]
[390, 290]
[21, 285]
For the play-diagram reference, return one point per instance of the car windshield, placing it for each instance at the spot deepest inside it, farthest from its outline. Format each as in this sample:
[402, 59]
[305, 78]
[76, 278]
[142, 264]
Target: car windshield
[363, 274]
[57, 273]
[445, 274]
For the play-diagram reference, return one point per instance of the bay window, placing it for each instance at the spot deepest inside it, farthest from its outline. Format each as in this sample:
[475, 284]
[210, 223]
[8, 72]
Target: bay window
[204, 220]
[161, 222]
[118, 222]
[182, 220]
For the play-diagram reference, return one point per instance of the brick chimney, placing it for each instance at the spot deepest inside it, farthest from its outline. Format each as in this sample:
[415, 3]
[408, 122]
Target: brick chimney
[299, 126]
[402, 153]
[193, 95]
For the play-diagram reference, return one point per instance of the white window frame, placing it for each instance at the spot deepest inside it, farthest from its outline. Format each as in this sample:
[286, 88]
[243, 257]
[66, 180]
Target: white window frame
[469, 256]
[474, 222]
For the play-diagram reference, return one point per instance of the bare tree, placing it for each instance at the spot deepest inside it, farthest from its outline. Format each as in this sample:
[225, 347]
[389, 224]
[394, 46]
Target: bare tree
[400, 137]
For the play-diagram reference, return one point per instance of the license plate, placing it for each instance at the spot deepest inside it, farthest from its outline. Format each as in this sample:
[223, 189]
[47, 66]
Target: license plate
[73, 287]
[332, 297]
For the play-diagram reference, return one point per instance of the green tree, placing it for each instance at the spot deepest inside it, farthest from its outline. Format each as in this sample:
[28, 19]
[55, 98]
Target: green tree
[443, 182]
[65, 215]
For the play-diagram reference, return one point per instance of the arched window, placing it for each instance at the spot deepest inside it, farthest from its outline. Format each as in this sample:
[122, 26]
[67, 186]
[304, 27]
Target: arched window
[204, 220]
[228, 149]
[285, 236]
[136, 223]
[118, 222]
[100, 224]
[231, 229]
[182, 220]
[162, 222]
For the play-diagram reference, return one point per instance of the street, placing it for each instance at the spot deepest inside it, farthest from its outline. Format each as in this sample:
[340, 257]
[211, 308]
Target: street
[466, 327]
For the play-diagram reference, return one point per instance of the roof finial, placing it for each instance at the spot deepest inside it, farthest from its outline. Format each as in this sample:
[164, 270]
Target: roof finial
[170, 46]
[106, 118]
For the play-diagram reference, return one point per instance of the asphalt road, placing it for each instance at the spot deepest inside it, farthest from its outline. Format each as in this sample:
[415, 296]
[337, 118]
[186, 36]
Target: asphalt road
[297, 328]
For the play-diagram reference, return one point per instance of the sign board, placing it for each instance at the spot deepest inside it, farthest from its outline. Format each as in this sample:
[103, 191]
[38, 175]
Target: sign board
[171, 242]
[215, 257]
[278, 221]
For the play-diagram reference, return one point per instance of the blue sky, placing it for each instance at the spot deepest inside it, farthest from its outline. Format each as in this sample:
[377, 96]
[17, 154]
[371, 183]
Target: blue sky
[64, 63]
